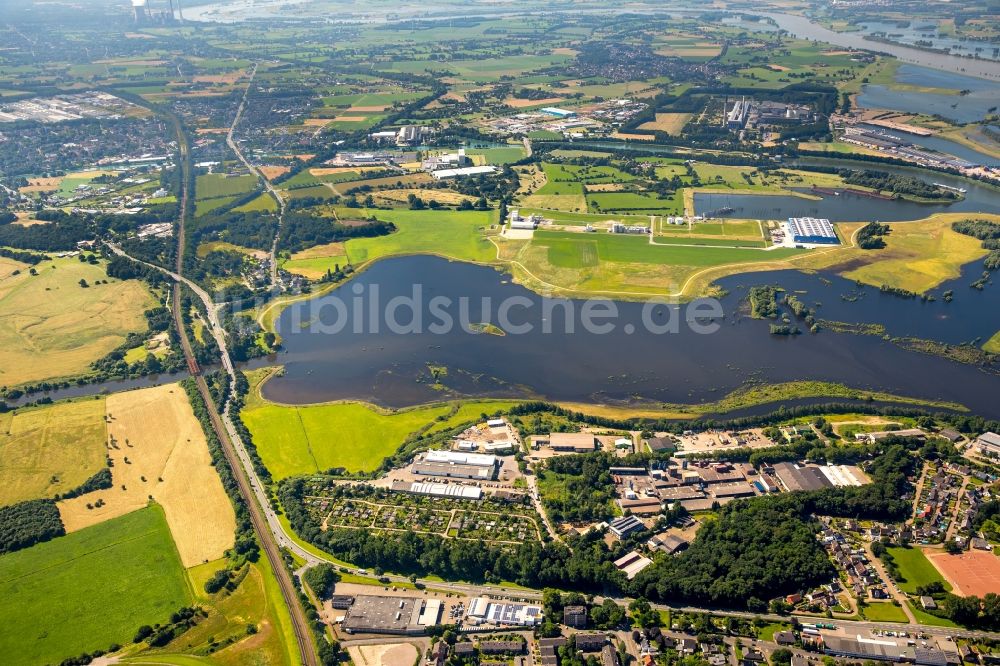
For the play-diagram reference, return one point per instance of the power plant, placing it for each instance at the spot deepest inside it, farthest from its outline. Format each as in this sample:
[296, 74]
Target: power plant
[143, 15]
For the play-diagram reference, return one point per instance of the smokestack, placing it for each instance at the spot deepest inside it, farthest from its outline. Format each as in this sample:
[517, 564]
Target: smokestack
[180, 14]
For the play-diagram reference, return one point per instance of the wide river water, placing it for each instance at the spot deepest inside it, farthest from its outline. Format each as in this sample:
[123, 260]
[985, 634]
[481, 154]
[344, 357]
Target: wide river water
[323, 362]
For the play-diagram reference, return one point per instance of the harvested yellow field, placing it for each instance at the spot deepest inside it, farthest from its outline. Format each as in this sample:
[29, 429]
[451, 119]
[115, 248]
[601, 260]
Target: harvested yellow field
[321, 251]
[368, 109]
[317, 122]
[52, 327]
[272, 172]
[446, 197]
[390, 654]
[159, 452]
[517, 103]
[41, 185]
[24, 219]
[49, 450]
[351, 119]
[633, 137]
[8, 266]
[671, 123]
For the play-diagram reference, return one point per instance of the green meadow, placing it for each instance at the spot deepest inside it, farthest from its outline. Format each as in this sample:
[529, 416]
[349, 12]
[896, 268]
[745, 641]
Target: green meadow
[89, 589]
[456, 234]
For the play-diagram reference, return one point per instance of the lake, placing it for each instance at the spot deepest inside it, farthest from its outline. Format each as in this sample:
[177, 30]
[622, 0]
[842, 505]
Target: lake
[619, 366]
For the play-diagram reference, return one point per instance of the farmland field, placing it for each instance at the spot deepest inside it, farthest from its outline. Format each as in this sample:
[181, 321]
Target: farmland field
[316, 261]
[45, 451]
[159, 450]
[51, 327]
[215, 185]
[87, 590]
[671, 123]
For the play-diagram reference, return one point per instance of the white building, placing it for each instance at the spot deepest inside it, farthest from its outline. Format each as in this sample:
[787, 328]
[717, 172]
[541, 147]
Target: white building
[485, 611]
[518, 221]
[988, 444]
[445, 174]
[455, 160]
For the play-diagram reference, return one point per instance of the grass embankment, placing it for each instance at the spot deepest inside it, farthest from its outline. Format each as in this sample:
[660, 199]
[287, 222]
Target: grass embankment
[49, 450]
[921, 255]
[52, 327]
[993, 344]
[87, 590]
[752, 396]
[306, 439]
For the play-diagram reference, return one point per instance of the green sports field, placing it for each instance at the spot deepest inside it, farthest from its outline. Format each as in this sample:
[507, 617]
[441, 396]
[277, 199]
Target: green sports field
[90, 589]
[915, 569]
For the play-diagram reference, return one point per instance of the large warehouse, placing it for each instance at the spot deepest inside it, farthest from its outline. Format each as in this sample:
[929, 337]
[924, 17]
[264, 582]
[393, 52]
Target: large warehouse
[813, 230]
[456, 465]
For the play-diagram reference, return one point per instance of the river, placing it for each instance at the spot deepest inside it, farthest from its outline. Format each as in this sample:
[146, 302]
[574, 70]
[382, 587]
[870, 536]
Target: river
[618, 366]
[798, 26]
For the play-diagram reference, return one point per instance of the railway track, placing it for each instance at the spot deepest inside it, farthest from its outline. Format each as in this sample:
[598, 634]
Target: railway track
[300, 625]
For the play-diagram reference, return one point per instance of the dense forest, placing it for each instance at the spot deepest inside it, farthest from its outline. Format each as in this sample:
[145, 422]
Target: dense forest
[24, 524]
[883, 181]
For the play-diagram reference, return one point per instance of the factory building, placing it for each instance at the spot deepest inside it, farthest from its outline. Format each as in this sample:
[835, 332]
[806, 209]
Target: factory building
[446, 174]
[447, 490]
[518, 221]
[456, 465]
[736, 118]
[813, 230]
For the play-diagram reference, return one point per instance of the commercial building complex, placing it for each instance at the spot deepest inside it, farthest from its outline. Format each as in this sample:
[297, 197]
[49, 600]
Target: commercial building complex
[485, 611]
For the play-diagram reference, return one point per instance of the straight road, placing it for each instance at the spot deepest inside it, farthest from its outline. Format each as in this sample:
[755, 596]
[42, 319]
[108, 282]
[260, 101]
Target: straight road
[231, 142]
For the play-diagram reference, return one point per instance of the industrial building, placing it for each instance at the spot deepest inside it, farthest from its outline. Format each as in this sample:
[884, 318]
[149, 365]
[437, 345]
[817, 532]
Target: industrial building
[446, 174]
[667, 543]
[988, 444]
[813, 230]
[391, 615]
[736, 118]
[456, 465]
[619, 228]
[485, 611]
[793, 477]
[622, 527]
[456, 160]
[570, 442]
[632, 564]
[448, 490]
[558, 113]
[518, 221]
